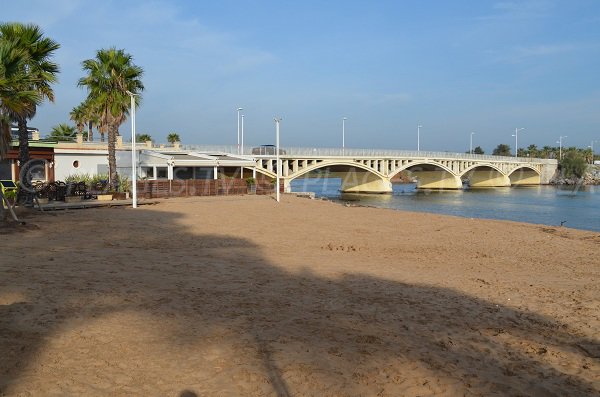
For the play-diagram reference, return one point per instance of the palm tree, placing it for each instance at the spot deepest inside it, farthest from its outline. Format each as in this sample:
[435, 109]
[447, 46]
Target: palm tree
[63, 132]
[143, 138]
[78, 116]
[173, 137]
[92, 117]
[501, 150]
[39, 69]
[15, 98]
[110, 75]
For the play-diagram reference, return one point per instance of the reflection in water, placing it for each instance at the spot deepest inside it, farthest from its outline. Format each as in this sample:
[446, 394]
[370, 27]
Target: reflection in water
[549, 205]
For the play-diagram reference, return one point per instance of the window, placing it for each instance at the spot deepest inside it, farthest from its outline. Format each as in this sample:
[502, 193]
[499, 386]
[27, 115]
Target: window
[161, 172]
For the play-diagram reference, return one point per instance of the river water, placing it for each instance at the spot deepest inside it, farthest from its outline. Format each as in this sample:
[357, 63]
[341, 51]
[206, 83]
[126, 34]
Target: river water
[576, 207]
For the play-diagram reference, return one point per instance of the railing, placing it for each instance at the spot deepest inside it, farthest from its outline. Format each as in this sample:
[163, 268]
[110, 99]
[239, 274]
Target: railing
[348, 152]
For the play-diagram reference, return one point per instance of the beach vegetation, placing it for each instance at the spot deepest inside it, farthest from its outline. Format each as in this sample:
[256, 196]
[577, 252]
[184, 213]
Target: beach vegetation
[63, 132]
[143, 138]
[110, 76]
[573, 164]
[173, 137]
[30, 73]
[13, 98]
[502, 150]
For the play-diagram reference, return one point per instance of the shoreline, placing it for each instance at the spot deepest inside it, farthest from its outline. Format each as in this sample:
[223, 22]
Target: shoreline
[246, 296]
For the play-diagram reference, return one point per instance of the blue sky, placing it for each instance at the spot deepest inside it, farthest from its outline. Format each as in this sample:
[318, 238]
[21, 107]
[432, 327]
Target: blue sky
[455, 67]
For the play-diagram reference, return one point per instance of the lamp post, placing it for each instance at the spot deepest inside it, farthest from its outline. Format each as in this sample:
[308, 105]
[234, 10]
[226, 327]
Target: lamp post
[344, 135]
[516, 135]
[238, 130]
[560, 139]
[419, 137]
[471, 145]
[242, 152]
[277, 121]
[133, 154]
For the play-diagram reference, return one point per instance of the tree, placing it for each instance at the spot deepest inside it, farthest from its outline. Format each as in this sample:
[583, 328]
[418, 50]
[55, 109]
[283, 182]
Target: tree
[173, 137]
[478, 150]
[78, 116]
[501, 150]
[15, 97]
[573, 164]
[143, 138]
[63, 132]
[41, 72]
[109, 76]
[532, 151]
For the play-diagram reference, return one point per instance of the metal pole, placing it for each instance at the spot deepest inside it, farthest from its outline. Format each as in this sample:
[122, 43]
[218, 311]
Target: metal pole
[560, 139]
[344, 135]
[419, 138]
[133, 154]
[242, 152]
[277, 120]
[238, 130]
[517, 140]
[471, 145]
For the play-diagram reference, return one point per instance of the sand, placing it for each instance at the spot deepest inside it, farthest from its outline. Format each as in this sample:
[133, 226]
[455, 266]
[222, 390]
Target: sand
[241, 296]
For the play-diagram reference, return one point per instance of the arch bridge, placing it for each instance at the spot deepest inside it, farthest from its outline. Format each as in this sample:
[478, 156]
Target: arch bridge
[372, 171]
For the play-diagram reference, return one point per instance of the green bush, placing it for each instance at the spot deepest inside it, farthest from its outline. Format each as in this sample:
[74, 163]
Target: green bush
[250, 181]
[573, 164]
[10, 195]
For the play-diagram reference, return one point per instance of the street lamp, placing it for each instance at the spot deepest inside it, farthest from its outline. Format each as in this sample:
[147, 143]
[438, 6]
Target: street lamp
[419, 137]
[592, 147]
[242, 134]
[560, 139]
[344, 135]
[238, 130]
[133, 154]
[471, 145]
[516, 135]
[277, 121]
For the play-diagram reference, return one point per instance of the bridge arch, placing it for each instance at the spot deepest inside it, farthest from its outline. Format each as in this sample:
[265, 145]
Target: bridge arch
[485, 175]
[524, 175]
[431, 175]
[356, 177]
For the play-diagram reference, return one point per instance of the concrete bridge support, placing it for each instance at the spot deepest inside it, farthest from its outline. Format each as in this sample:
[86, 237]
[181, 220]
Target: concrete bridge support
[355, 181]
[487, 178]
[437, 180]
[524, 177]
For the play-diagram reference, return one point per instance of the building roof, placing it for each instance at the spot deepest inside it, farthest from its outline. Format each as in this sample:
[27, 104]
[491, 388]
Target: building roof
[193, 159]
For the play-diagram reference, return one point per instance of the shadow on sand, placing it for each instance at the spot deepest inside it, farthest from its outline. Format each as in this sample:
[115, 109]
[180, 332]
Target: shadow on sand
[212, 315]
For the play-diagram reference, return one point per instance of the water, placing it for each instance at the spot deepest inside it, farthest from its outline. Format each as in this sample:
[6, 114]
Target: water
[547, 205]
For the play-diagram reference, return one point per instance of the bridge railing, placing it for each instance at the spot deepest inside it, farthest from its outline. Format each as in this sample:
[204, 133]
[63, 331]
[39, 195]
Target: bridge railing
[350, 152]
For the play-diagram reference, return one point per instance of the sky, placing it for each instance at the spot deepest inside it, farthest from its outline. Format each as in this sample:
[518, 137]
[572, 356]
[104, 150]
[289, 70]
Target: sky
[454, 67]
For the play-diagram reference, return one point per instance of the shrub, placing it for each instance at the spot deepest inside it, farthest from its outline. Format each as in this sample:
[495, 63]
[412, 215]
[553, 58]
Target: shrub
[573, 164]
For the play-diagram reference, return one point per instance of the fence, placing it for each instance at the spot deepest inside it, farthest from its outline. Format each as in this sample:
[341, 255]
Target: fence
[201, 187]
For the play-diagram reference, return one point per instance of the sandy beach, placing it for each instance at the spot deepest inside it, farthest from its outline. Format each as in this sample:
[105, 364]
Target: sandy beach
[242, 296]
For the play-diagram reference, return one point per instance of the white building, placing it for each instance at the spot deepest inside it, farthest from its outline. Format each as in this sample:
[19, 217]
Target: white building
[68, 162]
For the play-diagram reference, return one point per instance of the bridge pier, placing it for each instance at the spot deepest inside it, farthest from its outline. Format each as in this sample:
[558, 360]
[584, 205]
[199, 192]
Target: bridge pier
[491, 178]
[365, 182]
[437, 180]
[524, 177]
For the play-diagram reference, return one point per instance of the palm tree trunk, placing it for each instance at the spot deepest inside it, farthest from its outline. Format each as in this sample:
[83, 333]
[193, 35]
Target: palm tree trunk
[112, 161]
[90, 132]
[23, 141]
[24, 175]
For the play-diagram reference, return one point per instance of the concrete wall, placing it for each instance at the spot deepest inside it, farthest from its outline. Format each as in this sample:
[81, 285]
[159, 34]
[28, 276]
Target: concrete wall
[82, 162]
